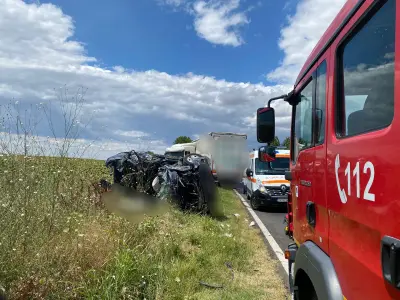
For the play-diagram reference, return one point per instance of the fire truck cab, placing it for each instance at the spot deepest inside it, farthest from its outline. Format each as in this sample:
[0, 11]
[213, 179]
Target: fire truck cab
[344, 164]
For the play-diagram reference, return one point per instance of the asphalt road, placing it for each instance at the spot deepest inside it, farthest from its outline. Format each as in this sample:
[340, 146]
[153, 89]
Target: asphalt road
[273, 220]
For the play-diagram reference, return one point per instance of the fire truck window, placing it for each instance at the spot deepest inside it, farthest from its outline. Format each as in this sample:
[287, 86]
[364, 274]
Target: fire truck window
[367, 75]
[303, 121]
[320, 104]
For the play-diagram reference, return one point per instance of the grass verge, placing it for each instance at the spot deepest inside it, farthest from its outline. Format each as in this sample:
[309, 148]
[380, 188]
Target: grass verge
[58, 242]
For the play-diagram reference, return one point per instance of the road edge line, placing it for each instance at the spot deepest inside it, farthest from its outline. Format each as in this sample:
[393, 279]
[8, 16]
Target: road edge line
[268, 236]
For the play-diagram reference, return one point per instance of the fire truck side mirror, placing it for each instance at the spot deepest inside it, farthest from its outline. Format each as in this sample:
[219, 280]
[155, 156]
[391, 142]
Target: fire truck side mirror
[265, 125]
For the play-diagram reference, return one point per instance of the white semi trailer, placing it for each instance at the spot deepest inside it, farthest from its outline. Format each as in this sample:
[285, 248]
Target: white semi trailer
[225, 152]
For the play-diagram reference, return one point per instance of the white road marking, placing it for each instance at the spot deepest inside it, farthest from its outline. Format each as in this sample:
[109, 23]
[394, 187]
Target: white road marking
[274, 245]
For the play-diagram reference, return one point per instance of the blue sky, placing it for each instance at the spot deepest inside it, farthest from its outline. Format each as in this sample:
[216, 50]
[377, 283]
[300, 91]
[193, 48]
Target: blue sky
[153, 69]
[143, 35]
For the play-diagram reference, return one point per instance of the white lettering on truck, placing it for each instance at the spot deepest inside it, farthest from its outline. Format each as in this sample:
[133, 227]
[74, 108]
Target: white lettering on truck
[368, 168]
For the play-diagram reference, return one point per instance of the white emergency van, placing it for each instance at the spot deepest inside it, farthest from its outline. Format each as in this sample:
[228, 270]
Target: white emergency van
[264, 182]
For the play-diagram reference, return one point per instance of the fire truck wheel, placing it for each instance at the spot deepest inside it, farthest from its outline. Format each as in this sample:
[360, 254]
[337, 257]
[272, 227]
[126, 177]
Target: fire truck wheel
[314, 297]
[305, 289]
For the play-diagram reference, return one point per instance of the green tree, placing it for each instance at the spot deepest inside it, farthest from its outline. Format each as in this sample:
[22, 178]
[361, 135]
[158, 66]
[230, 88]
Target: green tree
[275, 142]
[286, 142]
[182, 139]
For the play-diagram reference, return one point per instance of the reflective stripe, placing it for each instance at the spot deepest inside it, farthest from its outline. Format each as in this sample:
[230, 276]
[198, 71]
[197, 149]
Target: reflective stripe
[283, 181]
[252, 179]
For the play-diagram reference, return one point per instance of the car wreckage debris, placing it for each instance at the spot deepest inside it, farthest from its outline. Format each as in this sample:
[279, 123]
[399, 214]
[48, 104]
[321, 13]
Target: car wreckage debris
[187, 181]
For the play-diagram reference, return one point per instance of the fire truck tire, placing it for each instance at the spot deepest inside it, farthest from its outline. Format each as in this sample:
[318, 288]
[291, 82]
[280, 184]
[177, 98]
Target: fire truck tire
[314, 265]
[314, 296]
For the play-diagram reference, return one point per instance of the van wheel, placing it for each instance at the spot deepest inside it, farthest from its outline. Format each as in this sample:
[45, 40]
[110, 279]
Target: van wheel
[253, 203]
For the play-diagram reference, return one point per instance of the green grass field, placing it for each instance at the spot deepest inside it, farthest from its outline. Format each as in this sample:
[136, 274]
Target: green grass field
[58, 242]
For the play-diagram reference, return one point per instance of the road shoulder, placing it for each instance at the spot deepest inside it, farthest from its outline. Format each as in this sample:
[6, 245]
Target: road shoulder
[272, 245]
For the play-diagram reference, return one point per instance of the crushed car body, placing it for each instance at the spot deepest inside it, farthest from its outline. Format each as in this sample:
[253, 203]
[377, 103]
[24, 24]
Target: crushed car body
[186, 181]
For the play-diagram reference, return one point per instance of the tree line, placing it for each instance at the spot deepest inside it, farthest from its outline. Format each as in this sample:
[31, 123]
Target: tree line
[285, 143]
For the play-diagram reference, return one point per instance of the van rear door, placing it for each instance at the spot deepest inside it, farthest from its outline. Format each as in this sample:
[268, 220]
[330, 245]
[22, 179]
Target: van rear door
[363, 154]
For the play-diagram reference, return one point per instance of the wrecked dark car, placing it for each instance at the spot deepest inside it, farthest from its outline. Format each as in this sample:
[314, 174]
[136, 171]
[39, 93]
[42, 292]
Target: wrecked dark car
[187, 181]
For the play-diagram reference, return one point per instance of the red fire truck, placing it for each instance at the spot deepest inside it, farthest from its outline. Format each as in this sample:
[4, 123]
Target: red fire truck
[343, 205]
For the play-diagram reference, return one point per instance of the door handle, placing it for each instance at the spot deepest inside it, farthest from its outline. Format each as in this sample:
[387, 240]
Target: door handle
[390, 260]
[310, 213]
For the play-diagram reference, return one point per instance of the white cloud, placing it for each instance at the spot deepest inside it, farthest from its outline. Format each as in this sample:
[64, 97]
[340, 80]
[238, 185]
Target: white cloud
[299, 37]
[218, 23]
[132, 133]
[119, 69]
[38, 55]
[42, 31]
[174, 2]
[282, 117]
[44, 145]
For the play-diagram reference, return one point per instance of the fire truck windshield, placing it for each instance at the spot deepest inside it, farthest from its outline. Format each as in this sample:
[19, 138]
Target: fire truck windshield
[275, 167]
